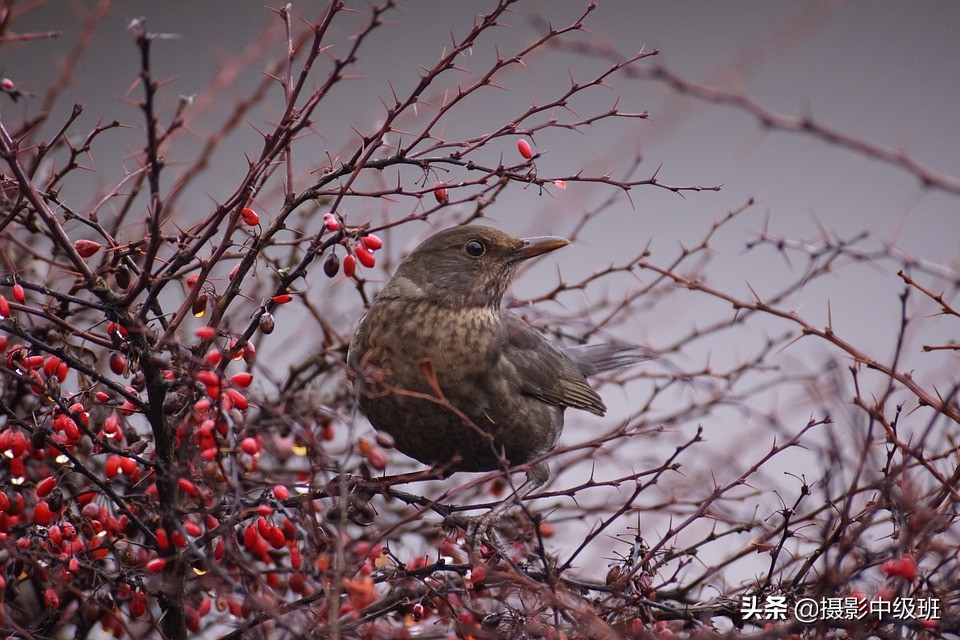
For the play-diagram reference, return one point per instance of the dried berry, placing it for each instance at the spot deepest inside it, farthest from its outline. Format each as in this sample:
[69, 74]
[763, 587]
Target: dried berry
[331, 265]
[267, 323]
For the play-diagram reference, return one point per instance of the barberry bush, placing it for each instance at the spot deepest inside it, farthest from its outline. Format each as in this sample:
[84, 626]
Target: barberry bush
[181, 451]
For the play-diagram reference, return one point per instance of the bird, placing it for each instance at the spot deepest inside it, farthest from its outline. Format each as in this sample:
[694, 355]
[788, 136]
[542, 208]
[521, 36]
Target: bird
[459, 382]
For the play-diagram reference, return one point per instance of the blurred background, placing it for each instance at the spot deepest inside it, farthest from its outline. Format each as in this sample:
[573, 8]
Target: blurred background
[881, 72]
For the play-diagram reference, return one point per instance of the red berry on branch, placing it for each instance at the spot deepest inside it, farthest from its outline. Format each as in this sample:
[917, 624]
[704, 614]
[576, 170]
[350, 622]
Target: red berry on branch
[51, 598]
[905, 567]
[478, 573]
[330, 222]
[250, 446]
[242, 379]
[366, 257]
[206, 333]
[283, 298]
[18, 293]
[118, 363]
[163, 540]
[45, 486]
[239, 400]
[349, 266]
[524, 148]
[138, 604]
[440, 193]
[86, 248]
[371, 242]
[42, 514]
[128, 465]
[249, 217]
[187, 487]
[156, 565]
[111, 467]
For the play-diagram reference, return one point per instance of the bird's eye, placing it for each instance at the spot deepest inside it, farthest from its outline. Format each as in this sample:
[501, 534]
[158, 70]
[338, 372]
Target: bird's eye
[475, 248]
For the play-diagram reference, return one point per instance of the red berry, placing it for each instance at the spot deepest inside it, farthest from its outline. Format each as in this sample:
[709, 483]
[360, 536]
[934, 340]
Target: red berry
[239, 400]
[112, 467]
[42, 514]
[18, 293]
[283, 298]
[249, 217]
[187, 487]
[163, 540]
[440, 193]
[377, 459]
[156, 565]
[45, 486]
[4, 308]
[478, 573]
[371, 242]
[51, 599]
[524, 148]
[192, 280]
[242, 379]
[86, 248]
[7, 84]
[50, 366]
[349, 266]
[330, 222]
[206, 333]
[281, 492]
[118, 363]
[128, 465]
[905, 567]
[209, 378]
[365, 257]
[251, 538]
[250, 446]
[138, 604]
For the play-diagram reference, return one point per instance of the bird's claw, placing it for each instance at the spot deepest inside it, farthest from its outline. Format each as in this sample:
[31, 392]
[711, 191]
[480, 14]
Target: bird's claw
[480, 529]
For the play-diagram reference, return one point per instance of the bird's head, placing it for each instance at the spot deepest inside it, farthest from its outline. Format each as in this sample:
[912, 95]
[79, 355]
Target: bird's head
[466, 266]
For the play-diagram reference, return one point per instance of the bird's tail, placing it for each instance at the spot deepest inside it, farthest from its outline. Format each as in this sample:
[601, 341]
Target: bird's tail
[597, 358]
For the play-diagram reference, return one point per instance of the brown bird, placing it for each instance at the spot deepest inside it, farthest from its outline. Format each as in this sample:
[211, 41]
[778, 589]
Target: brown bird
[455, 379]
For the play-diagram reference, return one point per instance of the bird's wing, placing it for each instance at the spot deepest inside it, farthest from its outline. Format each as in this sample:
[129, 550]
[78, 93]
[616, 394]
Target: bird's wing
[545, 371]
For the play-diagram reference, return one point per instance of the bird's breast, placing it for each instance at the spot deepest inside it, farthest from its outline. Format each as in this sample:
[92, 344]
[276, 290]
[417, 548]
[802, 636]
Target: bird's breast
[406, 339]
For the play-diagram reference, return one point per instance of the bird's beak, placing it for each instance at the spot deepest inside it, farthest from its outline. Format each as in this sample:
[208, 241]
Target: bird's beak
[533, 247]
